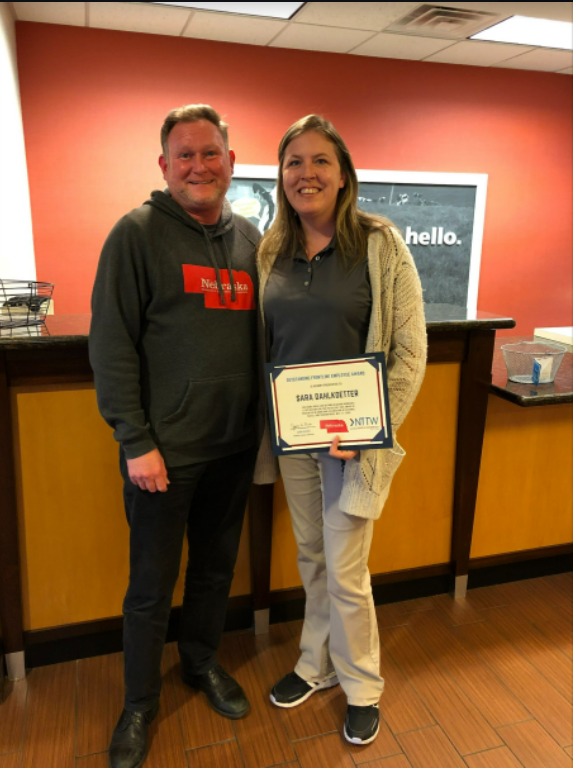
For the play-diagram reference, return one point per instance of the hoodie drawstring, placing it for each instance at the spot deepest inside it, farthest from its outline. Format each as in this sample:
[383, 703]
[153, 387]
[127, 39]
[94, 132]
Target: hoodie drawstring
[229, 270]
[217, 273]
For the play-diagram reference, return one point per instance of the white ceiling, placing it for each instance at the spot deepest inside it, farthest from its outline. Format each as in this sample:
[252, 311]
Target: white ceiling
[355, 28]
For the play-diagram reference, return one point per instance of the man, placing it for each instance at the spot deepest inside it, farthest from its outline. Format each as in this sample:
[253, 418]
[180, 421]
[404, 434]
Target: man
[172, 346]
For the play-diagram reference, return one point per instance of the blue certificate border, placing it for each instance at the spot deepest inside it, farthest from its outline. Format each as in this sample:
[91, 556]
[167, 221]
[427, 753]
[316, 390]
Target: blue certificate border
[382, 440]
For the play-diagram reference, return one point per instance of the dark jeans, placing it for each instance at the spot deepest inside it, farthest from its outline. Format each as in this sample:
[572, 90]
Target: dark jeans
[209, 500]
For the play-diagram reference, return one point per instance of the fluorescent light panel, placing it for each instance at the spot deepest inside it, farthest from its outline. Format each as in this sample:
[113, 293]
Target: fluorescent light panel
[525, 30]
[270, 10]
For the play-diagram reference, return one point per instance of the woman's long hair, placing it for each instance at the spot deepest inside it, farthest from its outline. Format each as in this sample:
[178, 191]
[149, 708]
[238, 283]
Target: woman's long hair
[286, 235]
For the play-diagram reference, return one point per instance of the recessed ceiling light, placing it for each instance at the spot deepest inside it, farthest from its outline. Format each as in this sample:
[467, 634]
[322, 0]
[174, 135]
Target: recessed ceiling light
[525, 30]
[270, 10]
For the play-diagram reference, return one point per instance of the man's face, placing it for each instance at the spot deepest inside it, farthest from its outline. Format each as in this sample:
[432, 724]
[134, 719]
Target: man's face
[198, 169]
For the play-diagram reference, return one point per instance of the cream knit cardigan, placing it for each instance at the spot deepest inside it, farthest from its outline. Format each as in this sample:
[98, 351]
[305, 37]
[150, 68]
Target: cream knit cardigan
[397, 328]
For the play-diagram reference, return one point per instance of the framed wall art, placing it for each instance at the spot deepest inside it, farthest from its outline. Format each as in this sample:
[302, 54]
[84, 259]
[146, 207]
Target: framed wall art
[440, 215]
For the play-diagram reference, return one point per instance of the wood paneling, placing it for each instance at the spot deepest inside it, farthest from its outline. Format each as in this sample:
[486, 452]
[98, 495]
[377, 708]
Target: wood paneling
[522, 679]
[452, 710]
[521, 448]
[430, 748]
[421, 496]
[396, 544]
[475, 381]
[10, 761]
[11, 618]
[50, 718]
[12, 714]
[57, 469]
[65, 365]
[533, 747]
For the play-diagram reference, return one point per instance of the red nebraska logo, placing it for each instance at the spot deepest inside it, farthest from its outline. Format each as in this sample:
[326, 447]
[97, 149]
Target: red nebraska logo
[333, 425]
[204, 280]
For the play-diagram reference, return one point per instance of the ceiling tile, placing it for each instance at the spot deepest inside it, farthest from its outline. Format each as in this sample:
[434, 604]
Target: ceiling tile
[477, 54]
[73, 14]
[556, 11]
[541, 59]
[138, 17]
[401, 46]
[311, 38]
[372, 16]
[233, 29]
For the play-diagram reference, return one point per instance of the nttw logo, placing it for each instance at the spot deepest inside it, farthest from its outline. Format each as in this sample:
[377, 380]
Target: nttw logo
[436, 237]
[365, 421]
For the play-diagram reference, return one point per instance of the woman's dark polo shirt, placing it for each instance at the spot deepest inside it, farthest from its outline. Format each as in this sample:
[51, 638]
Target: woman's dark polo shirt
[316, 310]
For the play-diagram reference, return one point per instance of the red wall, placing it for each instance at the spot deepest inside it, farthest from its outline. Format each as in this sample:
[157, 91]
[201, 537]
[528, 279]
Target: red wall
[93, 102]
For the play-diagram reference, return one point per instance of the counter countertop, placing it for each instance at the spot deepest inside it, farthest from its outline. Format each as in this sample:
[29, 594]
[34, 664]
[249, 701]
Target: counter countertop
[527, 395]
[66, 330]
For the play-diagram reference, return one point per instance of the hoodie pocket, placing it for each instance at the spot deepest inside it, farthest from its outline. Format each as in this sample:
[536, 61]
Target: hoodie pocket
[213, 412]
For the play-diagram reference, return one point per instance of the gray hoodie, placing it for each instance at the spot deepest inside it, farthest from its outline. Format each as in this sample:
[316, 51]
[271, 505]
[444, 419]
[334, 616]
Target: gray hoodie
[173, 333]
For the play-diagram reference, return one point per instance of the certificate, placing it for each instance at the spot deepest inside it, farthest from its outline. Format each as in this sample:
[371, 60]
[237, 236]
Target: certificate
[310, 403]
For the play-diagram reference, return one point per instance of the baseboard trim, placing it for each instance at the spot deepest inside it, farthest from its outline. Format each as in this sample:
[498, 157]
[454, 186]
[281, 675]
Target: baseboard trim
[520, 556]
[96, 638]
[516, 566]
[102, 636]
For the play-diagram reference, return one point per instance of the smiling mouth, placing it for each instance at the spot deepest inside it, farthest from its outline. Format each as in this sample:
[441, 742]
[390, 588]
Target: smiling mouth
[308, 191]
[199, 183]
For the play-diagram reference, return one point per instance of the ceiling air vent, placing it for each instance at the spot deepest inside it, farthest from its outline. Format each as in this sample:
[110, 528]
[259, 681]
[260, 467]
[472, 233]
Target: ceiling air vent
[439, 21]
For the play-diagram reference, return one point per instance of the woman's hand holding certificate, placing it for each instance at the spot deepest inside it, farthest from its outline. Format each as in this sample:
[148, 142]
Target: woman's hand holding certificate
[312, 402]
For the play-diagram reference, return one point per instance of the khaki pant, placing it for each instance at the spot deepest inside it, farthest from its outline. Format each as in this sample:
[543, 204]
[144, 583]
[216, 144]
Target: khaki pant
[340, 631]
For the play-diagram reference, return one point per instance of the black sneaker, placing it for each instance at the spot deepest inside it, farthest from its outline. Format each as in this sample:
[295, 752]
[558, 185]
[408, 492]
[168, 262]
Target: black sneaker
[291, 690]
[362, 724]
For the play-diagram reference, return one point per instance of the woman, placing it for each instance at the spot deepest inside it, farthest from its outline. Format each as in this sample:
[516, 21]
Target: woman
[336, 282]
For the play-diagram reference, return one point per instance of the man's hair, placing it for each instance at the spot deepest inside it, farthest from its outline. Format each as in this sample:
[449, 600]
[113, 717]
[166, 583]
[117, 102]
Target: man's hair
[192, 113]
[286, 235]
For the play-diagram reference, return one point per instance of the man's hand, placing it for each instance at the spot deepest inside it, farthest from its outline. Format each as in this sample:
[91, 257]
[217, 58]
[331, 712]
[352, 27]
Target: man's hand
[345, 455]
[148, 472]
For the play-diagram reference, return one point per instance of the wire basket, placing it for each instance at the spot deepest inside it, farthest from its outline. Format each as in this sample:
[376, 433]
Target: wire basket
[24, 302]
[532, 362]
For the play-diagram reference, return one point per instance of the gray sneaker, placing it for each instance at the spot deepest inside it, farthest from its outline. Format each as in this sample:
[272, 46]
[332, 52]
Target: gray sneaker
[292, 690]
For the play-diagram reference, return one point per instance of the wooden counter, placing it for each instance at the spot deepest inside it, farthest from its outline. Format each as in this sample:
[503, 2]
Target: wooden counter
[524, 505]
[63, 535]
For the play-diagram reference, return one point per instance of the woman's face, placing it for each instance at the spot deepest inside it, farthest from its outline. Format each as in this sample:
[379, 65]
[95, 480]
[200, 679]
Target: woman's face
[312, 177]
